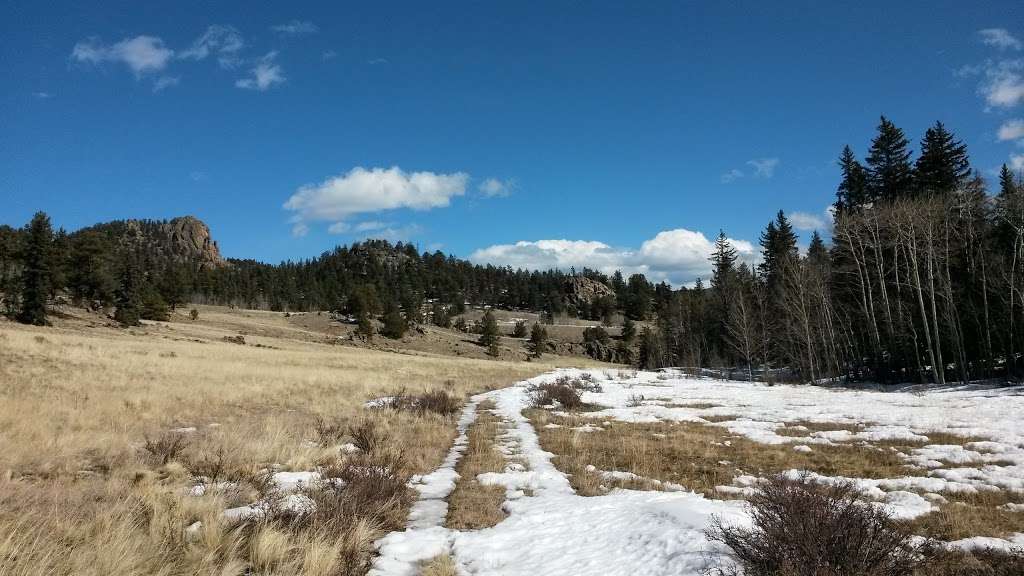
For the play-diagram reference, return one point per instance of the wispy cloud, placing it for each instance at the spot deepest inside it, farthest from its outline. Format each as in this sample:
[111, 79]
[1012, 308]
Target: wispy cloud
[1000, 38]
[296, 28]
[42, 95]
[142, 54]
[363, 191]
[763, 167]
[732, 175]
[1017, 162]
[495, 188]
[375, 61]
[328, 55]
[264, 75]
[165, 82]
[807, 221]
[223, 41]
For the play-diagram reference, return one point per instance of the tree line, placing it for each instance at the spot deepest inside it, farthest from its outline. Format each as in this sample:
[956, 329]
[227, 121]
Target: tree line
[923, 280]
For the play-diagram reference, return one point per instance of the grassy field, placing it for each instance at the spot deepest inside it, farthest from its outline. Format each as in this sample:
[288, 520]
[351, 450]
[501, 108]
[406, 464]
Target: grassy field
[105, 430]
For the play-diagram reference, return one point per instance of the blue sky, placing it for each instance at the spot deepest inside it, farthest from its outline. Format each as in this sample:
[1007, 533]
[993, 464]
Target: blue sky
[589, 133]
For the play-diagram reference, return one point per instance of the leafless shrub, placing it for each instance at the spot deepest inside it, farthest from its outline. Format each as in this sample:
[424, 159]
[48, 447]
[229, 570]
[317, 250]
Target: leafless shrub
[635, 400]
[235, 339]
[166, 447]
[433, 401]
[329, 431]
[367, 436]
[802, 528]
[373, 487]
[563, 394]
[585, 383]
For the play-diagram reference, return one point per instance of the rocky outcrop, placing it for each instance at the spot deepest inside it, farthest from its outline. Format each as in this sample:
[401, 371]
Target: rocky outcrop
[185, 240]
[580, 290]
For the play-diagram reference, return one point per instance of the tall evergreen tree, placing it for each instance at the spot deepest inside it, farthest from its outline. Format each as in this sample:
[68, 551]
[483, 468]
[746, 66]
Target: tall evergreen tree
[129, 292]
[943, 165]
[890, 174]
[36, 275]
[538, 339]
[853, 188]
[394, 324]
[1007, 182]
[489, 335]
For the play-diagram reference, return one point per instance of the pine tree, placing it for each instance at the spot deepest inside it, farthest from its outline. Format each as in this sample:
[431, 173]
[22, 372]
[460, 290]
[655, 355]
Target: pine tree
[36, 276]
[520, 330]
[538, 339]
[943, 165]
[817, 253]
[890, 175]
[364, 325]
[489, 335]
[128, 293]
[628, 331]
[853, 188]
[394, 324]
[439, 315]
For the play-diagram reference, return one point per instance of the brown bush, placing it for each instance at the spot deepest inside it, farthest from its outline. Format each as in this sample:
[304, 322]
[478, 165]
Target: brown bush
[802, 528]
[166, 447]
[435, 401]
[565, 395]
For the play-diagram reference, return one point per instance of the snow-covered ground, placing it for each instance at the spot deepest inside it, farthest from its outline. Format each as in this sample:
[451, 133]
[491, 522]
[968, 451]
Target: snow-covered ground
[551, 530]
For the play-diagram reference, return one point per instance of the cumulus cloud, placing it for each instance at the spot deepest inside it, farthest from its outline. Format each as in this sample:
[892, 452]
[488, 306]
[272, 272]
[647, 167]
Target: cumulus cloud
[362, 191]
[807, 221]
[678, 256]
[1002, 83]
[223, 41]
[494, 188]
[142, 54]
[264, 75]
[763, 167]
[1017, 162]
[1000, 38]
[1011, 130]
[296, 28]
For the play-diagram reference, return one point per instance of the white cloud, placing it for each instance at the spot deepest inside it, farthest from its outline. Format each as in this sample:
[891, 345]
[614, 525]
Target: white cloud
[1017, 162]
[1000, 38]
[362, 191]
[494, 188]
[328, 55]
[1011, 130]
[265, 74]
[296, 28]
[142, 54]
[732, 175]
[678, 256]
[807, 221]
[164, 82]
[224, 41]
[42, 95]
[764, 167]
[1002, 84]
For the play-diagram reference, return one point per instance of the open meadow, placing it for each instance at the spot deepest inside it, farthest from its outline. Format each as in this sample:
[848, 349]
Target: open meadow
[122, 448]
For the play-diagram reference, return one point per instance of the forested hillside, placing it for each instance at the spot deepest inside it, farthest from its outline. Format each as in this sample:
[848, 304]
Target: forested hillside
[922, 281]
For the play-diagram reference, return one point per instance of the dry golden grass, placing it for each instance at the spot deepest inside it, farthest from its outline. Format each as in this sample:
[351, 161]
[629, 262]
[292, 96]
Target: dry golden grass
[966, 515]
[696, 455]
[440, 566]
[472, 505]
[80, 494]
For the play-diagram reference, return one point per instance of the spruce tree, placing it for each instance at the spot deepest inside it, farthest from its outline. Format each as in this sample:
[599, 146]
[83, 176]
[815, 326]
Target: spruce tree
[36, 275]
[439, 315]
[1007, 182]
[853, 188]
[538, 339]
[943, 165]
[129, 293]
[890, 174]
